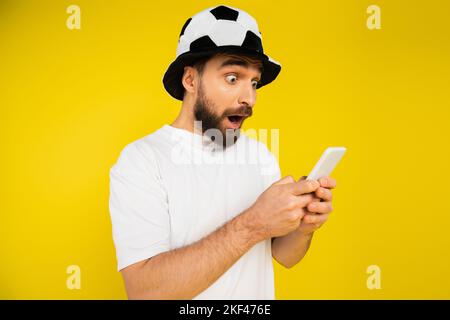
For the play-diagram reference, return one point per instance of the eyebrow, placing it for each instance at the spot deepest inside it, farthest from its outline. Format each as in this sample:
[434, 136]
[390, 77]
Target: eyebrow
[234, 62]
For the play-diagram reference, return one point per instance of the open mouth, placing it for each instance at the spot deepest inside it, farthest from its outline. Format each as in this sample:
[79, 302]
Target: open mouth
[235, 120]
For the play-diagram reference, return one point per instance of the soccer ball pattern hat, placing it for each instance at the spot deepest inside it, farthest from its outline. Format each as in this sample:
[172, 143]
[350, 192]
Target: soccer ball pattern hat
[214, 30]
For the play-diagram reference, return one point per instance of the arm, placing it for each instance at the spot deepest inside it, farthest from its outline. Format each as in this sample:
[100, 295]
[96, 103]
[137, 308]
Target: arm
[185, 272]
[288, 250]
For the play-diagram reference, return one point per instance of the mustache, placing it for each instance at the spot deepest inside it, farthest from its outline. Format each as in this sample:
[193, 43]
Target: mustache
[244, 111]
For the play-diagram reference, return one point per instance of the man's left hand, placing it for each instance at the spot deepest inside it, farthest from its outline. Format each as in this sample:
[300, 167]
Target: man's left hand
[319, 208]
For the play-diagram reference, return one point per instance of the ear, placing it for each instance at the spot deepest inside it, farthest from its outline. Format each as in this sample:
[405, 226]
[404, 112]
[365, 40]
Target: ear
[188, 79]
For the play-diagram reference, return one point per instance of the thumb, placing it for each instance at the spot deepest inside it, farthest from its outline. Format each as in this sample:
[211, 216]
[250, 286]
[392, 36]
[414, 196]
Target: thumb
[285, 180]
[315, 199]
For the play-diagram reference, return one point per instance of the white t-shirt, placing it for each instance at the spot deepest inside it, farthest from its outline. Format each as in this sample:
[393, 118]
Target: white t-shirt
[168, 190]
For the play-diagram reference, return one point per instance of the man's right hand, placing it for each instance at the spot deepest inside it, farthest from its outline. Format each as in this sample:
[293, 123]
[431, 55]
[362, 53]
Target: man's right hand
[280, 208]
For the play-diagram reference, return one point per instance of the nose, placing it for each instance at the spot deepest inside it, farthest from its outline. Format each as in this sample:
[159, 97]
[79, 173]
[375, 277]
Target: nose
[247, 95]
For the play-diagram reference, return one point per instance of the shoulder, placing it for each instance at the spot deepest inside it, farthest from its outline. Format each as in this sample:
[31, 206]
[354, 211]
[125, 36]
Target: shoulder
[253, 145]
[138, 155]
[267, 161]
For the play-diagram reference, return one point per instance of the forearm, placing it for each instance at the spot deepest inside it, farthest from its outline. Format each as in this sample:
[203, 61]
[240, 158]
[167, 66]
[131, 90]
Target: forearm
[288, 250]
[185, 272]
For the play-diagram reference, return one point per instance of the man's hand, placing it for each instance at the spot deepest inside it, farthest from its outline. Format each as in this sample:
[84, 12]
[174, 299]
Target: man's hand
[280, 208]
[289, 249]
[318, 210]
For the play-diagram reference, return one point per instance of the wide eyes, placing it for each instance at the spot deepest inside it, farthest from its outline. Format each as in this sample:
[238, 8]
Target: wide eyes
[231, 78]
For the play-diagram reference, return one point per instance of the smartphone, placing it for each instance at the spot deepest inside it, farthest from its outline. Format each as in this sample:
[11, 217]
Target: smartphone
[327, 162]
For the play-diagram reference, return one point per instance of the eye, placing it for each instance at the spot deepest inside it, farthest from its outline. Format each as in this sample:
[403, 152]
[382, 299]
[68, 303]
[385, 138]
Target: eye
[231, 78]
[255, 83]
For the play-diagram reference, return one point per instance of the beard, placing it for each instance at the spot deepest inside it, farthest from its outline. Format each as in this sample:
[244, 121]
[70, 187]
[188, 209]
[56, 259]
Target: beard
[213, 125]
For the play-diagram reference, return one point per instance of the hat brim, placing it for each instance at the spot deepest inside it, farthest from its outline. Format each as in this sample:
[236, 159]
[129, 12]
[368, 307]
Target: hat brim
[174, 73]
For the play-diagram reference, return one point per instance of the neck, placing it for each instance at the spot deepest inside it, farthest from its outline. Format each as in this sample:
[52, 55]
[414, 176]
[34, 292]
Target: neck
[185, 119]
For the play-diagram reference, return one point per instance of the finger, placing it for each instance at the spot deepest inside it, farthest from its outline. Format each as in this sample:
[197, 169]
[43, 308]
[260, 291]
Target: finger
[327, 182]
[305, 199]
[320, 207]
[285, 180]
[299, 202]
[324, 194]
[315, 218]
[303, 186]
[314, 199]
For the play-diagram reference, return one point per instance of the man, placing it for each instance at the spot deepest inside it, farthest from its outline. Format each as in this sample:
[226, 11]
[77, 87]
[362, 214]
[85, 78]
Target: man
[189, 229]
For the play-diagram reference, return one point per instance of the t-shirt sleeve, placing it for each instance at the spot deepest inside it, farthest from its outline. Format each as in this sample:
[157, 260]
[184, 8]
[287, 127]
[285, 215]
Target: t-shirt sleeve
[138, 207]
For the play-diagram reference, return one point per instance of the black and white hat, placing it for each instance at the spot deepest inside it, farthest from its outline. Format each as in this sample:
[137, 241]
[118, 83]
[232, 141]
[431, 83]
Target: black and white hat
[217, 29]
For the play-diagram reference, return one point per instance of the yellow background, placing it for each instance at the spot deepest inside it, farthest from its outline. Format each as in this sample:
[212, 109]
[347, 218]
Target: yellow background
[70, 100]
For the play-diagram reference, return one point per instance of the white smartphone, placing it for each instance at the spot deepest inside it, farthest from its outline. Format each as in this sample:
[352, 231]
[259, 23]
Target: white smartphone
[327, 162]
